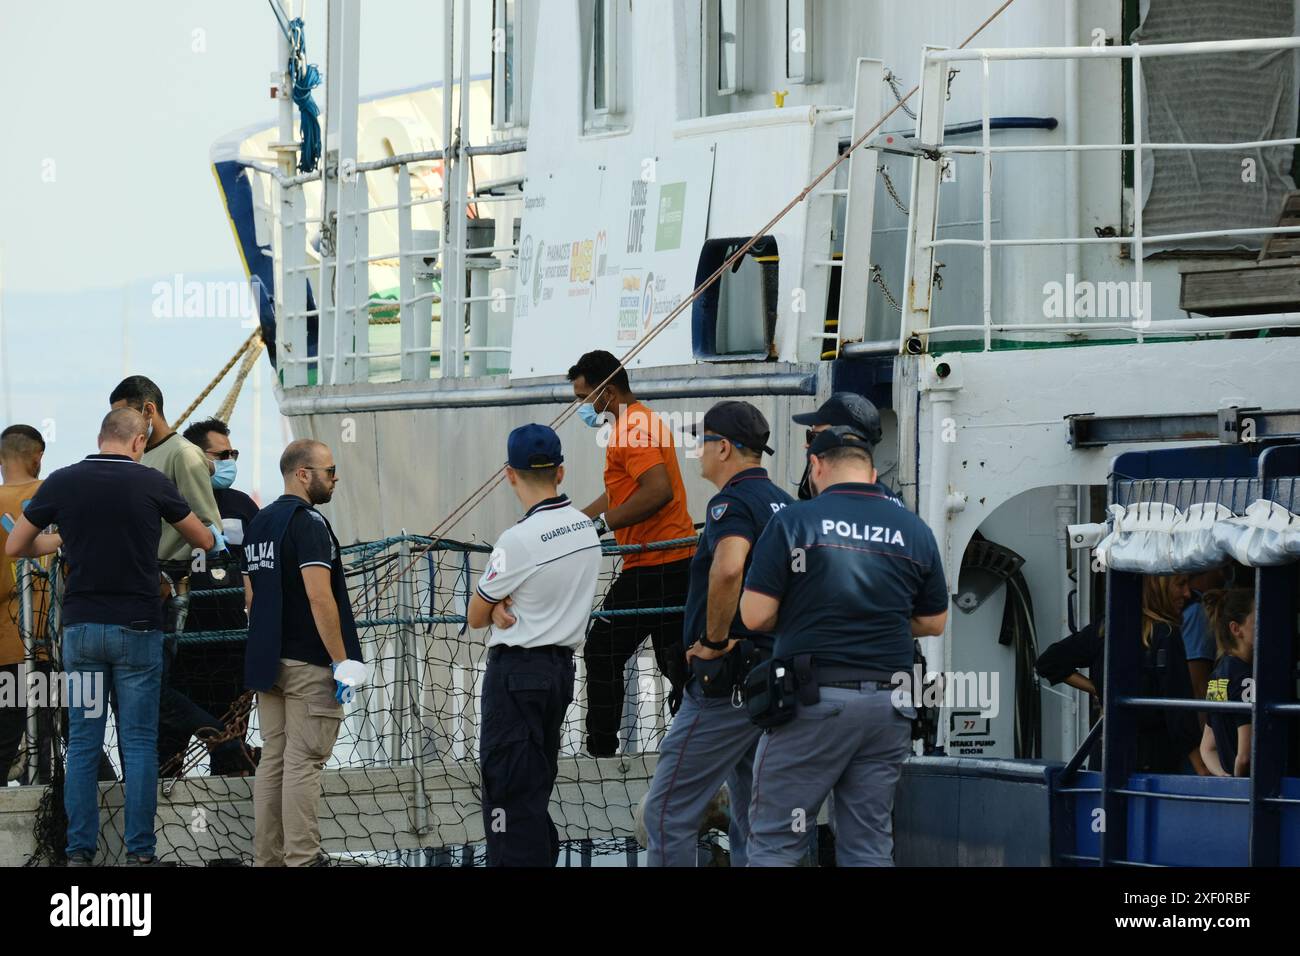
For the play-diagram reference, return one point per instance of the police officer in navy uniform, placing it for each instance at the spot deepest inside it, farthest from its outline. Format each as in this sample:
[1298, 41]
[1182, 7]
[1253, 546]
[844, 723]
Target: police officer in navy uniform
[710, 740]
[841, 409]
[844, 582]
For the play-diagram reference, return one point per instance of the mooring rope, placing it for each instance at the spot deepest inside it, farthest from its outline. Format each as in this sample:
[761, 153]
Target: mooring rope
[256, 337]
[251, 356]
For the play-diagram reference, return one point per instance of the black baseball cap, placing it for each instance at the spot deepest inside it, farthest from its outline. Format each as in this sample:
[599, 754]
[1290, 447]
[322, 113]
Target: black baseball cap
[740, 423]
[846, 408]
[533, 446]
[839, 436]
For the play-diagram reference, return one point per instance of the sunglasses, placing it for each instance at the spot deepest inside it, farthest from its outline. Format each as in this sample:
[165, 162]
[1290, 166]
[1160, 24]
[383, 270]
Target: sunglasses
[230, 454]
[332, 470]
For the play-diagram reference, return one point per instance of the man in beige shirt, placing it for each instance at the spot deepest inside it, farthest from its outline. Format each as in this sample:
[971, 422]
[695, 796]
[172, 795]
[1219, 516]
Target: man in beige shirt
[167, 451]
[181, 461]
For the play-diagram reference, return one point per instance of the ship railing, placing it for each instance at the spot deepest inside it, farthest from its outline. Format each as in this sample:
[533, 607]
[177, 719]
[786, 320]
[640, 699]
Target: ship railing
[346, 315]
[918, 319]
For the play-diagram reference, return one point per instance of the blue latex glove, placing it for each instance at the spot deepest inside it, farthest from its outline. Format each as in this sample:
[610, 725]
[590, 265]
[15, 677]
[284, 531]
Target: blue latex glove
[348, 676]
[342, 692]
[218, 539]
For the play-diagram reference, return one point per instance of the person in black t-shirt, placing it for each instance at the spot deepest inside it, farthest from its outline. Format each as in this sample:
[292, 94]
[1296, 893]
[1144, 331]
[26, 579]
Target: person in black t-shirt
[303, 656]
[237, 509]
[212, 674]
[1062, 662]
[110, 510]
[1167, 739]
[1225, 745]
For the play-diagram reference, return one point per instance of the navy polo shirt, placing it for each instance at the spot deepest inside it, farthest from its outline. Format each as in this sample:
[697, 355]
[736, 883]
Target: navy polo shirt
[110, 511]
[741, 509]
[851, 568]
[308, 542]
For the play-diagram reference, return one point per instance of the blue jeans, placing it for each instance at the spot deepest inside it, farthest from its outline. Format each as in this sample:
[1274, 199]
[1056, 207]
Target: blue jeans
[99, 657]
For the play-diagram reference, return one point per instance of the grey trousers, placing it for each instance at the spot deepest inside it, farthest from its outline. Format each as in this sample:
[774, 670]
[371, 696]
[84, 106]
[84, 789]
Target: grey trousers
[709, 742]
[853, 744]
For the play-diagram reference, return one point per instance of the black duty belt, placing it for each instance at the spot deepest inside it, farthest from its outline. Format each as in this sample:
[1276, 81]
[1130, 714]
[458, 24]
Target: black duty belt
[550, 650]
[853, 678]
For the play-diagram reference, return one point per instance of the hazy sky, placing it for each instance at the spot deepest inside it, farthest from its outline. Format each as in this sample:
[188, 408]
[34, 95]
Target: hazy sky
[108, 109]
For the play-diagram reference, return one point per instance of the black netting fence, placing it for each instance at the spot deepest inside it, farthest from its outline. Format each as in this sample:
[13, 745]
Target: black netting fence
[402, 785]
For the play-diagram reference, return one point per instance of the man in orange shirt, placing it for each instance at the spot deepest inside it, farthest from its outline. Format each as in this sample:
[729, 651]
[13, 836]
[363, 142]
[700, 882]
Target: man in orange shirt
[644, 502]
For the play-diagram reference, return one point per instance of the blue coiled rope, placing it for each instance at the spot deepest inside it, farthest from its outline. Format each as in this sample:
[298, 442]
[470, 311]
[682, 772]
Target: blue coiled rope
[305, 77]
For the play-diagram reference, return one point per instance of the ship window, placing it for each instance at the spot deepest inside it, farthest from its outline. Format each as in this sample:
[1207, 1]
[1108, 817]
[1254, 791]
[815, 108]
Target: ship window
[1247, 96]
[507, 64]
[731, 15]
[798, 41]
[602, 77]
[736, 316]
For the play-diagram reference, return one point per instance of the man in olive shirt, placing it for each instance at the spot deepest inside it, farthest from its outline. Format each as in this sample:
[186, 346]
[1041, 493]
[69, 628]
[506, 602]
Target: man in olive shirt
[187, 467]
[181, 461]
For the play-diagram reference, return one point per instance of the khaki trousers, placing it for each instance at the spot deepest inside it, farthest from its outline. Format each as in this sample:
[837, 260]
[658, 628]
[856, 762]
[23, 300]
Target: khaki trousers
[299, 720]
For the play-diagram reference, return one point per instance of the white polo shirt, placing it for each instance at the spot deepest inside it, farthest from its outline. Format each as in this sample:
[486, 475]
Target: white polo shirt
[548, 565]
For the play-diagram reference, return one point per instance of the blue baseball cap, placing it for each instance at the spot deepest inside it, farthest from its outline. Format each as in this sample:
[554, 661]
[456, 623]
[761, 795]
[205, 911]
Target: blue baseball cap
[533, 446]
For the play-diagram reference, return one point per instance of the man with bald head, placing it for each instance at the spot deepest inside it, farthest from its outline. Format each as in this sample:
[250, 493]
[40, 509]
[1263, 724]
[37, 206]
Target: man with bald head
[110, 510]
[303, 658]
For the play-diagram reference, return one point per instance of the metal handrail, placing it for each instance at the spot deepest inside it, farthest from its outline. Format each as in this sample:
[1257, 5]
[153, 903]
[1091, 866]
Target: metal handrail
[1080, 755]
[1130, 52]
[918, 320]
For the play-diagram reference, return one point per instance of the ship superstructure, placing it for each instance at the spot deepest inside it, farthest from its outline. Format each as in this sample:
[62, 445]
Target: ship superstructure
[1049, 253]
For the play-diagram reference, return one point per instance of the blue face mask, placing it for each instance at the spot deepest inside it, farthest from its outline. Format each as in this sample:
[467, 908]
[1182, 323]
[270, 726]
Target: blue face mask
[587, 412]
[224, 476]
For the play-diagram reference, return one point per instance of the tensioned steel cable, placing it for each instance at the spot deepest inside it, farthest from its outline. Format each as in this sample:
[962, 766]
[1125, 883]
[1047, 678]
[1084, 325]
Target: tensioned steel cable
[482, 491]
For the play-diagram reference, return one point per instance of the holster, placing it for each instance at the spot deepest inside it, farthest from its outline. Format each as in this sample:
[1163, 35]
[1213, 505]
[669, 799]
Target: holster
[807, 688]
[770, 693]
[722, 676]
[925, 727]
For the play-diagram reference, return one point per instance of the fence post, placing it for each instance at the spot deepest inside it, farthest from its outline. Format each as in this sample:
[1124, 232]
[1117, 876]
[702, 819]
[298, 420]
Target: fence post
[402, 647]
[24, 575]
[417, 743]
[54, 625]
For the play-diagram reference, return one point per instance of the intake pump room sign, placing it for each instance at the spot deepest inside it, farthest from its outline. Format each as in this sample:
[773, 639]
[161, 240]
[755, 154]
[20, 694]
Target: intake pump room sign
[969, 734]
[605, 254]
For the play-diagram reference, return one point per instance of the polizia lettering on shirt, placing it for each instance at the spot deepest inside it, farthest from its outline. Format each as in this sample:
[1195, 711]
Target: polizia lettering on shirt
[857, 532]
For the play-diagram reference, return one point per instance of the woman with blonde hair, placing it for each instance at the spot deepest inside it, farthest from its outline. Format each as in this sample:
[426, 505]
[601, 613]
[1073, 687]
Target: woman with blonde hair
[1167, 738]
[1225, 745]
